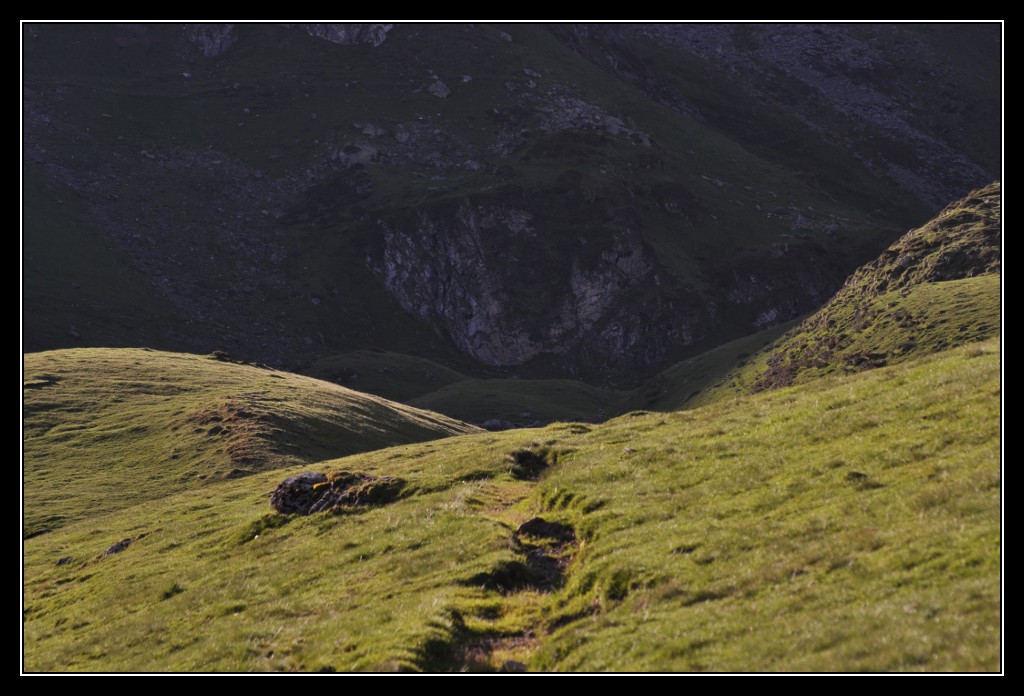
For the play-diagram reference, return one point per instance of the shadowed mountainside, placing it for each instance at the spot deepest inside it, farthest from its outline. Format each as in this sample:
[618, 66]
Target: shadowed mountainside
[936, 287]
[554, 200]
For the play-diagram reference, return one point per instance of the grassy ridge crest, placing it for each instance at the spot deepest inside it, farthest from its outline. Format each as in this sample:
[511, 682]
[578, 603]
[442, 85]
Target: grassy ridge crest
[107, 428]
[937, 287]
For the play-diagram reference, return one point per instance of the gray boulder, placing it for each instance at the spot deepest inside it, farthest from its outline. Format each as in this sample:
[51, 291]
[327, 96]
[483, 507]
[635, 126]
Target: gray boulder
[439, 89]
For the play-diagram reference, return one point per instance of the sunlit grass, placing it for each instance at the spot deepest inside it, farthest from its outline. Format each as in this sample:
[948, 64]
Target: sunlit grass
[936, 287]
[848, 524]
[107, 428]
[844, 525]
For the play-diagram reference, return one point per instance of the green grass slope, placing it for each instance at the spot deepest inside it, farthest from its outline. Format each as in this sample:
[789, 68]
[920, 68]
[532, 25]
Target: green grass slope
[846, 525]
[938, 286]
[523, 401]
[110, 428]
[852, 523]
[360, 592]
[392, 375]
[674, 388]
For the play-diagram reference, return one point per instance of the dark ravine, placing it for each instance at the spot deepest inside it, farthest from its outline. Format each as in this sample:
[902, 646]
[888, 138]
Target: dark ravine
[585, 200]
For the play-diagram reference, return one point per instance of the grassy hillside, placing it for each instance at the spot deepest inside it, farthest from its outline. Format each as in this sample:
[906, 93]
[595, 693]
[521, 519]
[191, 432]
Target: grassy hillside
[106, 429]
[392, 375]
[938, 286]
[852, 523]
[685, 382]
[523, 401]
[849, 524]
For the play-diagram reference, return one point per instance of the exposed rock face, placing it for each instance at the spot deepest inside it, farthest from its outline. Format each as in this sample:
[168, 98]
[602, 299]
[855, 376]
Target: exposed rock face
[348, 34]
[461, 272]
[211, 39]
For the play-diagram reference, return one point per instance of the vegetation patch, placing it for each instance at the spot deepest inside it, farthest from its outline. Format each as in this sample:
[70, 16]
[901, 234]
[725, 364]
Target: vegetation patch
[523, 402]
[392, 375]
[529, 464]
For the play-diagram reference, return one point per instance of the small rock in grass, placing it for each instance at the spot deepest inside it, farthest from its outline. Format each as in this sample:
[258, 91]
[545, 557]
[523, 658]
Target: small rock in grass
[118, 547]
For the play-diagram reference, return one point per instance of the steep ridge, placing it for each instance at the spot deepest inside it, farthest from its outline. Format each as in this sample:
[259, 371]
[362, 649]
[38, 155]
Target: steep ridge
[936, 287]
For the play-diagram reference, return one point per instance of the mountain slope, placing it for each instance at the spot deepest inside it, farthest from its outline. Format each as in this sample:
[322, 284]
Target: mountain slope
[523, 402]
[812, 95]
[392, 375]
[578, 201]
[936, 287]
[844, 525]
[76, 283]
[852, 523]
[110, 428]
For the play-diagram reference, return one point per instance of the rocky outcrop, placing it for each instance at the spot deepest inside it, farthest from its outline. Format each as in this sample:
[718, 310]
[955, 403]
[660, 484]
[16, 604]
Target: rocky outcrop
[117, 547]
[441, 272]
[348, 34]
[211, 39]
[467, 273]
[439, 89]
[563, 112]
[313, 492]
